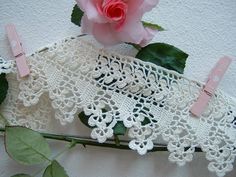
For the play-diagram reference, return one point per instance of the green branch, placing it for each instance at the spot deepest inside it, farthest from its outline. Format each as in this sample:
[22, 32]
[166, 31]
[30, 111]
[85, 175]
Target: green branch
[90, 142]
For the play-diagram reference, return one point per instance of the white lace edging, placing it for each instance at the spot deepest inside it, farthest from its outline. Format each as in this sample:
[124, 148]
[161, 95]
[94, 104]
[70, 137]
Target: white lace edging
[6, 66]
[150, 100]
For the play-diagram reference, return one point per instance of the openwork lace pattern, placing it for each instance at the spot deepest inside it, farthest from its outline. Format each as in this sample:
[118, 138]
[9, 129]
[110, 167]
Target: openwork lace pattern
[6, 66]
[37, 117]
[152, 102]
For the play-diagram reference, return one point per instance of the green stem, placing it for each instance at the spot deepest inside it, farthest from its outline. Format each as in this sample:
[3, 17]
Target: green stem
[90, 142]
[136, 46]
[117, 140]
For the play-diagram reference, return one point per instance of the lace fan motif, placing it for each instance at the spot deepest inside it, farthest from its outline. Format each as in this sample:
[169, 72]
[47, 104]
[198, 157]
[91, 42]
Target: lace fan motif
[151, 101]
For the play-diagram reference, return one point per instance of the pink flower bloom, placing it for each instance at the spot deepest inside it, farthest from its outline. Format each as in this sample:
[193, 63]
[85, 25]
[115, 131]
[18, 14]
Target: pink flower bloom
[116, 21]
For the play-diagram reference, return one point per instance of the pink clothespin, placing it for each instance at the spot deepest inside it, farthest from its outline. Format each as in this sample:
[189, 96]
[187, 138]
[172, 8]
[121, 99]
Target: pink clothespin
[17, 50]
[211, 85]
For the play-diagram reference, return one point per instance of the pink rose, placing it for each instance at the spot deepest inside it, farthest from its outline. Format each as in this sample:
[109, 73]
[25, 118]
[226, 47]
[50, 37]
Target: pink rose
[116, 21]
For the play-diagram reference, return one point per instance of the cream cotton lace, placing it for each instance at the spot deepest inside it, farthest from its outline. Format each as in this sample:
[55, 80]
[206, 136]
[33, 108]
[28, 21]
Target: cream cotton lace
[73, 76]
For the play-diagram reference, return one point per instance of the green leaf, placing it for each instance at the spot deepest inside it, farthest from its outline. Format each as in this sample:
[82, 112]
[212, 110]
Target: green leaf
[21, 175]
[3, 87]
[164, 55]
[119, 128]
[77, 15]
[153, 26]
[26, 146]
[55, 170]
[84, 119]
[146, 121]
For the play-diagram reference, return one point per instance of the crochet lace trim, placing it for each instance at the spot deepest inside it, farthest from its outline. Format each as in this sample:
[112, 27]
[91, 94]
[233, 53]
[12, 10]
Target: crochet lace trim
[152, 102]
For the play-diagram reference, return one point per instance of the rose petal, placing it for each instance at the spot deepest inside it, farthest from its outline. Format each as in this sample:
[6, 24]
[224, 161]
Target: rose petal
[149, 34]
[89, 7]
[86, 25]
[137, 9]
[104, 34]
[82, 4]
[134, 5]
[148, 5]
[129, 29]
[132, 31]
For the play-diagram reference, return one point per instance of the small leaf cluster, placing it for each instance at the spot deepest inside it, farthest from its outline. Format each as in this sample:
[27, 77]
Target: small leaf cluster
[29, 147]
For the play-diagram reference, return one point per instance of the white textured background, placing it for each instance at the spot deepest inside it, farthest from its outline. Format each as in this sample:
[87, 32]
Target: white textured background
[205, 29]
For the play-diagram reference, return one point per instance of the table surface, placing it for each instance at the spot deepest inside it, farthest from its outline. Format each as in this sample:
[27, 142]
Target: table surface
[205, 30]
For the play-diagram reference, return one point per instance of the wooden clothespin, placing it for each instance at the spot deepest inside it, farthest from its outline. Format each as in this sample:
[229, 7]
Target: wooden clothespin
[209, 89]
[17, 50]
